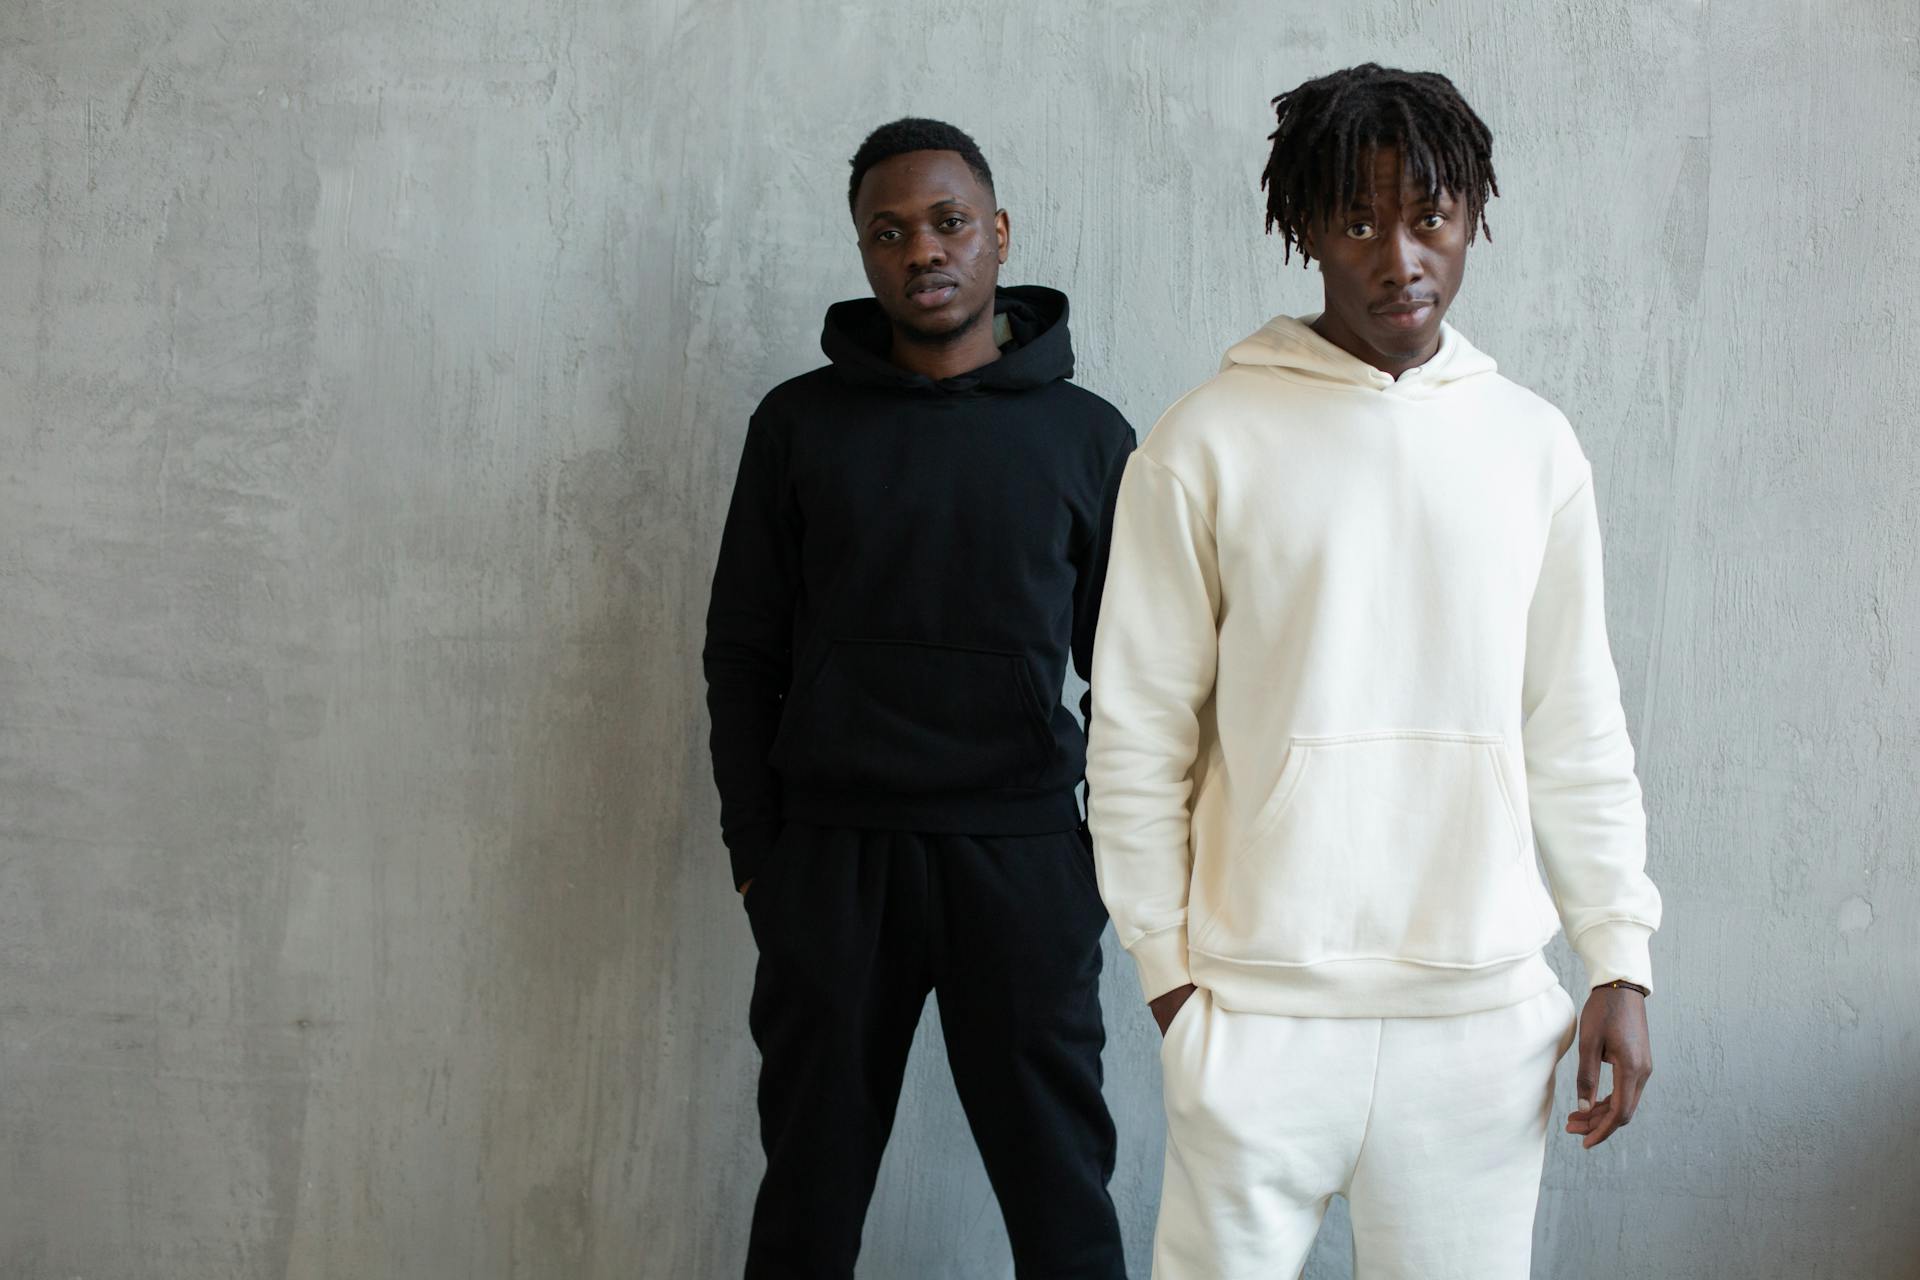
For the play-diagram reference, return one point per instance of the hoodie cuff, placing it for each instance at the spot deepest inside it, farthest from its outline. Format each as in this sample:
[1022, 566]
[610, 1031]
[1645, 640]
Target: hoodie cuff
[1162, 960]
[749, 848]
[1616, 949]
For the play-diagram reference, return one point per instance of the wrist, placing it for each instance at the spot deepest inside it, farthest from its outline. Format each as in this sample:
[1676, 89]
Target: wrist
[1161, 959]
[1621, 984]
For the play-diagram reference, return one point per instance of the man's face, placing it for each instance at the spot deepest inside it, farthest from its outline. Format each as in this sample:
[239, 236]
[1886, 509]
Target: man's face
[932, 244]
[1391, 265]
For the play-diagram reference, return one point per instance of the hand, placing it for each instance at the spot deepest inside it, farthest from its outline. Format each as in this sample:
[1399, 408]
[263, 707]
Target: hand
[748, 885]
[1613, 1028]
[1164, 1007]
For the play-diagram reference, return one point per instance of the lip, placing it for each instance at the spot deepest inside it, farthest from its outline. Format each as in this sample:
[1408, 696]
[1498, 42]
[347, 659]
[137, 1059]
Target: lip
[932, 291]
[1404, 315]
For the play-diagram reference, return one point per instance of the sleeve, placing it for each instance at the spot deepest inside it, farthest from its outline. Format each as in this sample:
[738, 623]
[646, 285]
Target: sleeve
[1581, 788]
[1090, 567]
[1153, 670]
[748, 655]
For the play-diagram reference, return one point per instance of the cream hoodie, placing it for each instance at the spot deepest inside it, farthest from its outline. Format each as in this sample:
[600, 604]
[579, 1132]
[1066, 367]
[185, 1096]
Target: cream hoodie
[1351, 675]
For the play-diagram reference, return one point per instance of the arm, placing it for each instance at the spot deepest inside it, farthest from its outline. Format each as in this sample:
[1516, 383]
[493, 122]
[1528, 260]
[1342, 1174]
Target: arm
[1153, 670]
[748, 658]
[1587, 812]
[1090, 569]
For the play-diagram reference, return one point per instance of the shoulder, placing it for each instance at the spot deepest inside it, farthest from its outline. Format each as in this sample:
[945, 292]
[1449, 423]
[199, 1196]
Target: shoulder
[790, 406]
[1537, 414]
[797, 394]
[1189, 432]
[1548, 435]
[1191, 444]
[1093, 415]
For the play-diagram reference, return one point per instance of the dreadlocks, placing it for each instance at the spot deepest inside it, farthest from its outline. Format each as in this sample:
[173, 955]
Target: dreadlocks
[1330, 129]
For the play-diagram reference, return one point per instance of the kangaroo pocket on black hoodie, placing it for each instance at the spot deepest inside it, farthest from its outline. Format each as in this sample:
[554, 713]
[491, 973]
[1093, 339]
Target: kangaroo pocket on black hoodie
[910, 717]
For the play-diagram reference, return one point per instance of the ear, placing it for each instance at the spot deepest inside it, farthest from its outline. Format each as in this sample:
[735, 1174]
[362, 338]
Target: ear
[1003, 231]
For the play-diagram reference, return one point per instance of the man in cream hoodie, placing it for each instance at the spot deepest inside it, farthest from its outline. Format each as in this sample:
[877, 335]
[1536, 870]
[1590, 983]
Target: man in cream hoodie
[1352, 679]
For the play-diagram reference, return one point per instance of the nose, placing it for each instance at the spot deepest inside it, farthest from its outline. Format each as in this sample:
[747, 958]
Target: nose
[1400, 259]
[925, 251]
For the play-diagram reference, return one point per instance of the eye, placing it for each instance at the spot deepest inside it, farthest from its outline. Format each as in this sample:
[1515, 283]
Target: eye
[886, 237]
[1359, 230]
[953, 223]
[1433, 221]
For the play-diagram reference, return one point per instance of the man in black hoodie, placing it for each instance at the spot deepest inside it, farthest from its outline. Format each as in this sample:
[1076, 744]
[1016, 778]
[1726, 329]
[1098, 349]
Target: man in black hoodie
[914, 552]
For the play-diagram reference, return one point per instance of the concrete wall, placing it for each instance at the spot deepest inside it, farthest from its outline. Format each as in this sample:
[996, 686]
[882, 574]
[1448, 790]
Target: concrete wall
[371, 381]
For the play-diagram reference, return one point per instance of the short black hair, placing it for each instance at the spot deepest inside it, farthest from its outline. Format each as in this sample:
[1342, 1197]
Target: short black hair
[1330, 129]
[915, 133]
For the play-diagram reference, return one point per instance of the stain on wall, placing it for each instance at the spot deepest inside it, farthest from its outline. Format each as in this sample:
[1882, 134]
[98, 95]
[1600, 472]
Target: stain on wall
[371, 383]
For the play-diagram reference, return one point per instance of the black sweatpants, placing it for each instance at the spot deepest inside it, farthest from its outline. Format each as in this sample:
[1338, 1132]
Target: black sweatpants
[854, 928]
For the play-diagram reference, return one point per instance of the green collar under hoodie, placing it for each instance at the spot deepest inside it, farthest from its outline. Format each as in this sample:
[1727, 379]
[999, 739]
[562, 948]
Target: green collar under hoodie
[1352, 690]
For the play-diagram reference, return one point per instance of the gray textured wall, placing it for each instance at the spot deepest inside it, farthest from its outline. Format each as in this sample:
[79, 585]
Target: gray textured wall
[371, 380]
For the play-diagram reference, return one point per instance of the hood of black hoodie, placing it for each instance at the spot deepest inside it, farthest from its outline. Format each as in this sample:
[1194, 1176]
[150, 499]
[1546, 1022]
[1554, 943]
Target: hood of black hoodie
[857, 336]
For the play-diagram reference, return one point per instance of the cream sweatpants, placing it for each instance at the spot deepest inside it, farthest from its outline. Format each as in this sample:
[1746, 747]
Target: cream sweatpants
[1433, 1128]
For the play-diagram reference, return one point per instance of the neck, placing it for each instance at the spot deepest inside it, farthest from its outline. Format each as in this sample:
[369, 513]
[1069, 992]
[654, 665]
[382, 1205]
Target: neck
[960, 352]
[1393, 364]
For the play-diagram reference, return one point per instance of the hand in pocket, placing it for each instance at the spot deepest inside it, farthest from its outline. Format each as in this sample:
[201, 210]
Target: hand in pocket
[1167, 1007]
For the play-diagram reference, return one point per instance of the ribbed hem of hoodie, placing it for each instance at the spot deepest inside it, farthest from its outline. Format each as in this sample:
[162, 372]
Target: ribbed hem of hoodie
[1616, 949]
[993, 813]
[1161, 959]
[1368, 988]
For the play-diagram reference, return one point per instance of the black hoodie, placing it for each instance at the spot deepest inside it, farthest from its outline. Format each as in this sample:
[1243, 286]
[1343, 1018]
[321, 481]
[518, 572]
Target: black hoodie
[907, 566]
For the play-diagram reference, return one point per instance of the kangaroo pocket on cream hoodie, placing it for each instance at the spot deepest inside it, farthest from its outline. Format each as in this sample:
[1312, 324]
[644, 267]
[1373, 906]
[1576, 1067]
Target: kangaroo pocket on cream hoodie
[1352, 691]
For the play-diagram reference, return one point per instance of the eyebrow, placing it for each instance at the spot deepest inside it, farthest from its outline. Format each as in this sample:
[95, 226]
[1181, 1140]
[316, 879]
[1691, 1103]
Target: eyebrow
[880, 215]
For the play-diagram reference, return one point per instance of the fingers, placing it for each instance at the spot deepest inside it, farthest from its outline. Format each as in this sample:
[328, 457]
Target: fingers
[1615, 1111]
[1630, 1052]
[1591, 1117]
[1586, 1080]
[1603, 1120]
[1630, 1081]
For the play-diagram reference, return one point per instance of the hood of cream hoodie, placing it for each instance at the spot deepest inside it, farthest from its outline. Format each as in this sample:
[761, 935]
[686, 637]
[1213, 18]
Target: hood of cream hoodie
[1291, 346]
[1352, 693]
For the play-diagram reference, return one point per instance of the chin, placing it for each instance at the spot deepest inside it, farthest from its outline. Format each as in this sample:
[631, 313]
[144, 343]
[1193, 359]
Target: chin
[934, 328]
[942, 326]
[1406, 346]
